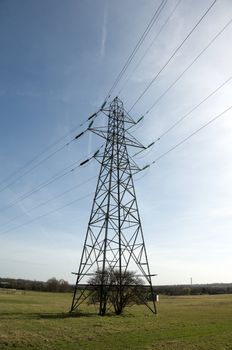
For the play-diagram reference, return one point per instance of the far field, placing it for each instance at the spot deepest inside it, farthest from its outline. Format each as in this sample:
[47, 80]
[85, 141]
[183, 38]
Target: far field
[34, 320]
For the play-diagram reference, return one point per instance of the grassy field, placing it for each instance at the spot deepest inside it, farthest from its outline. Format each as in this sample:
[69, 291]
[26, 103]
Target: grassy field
[38, 321]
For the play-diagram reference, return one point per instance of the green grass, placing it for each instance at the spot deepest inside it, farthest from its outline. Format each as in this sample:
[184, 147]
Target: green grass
[38, 321]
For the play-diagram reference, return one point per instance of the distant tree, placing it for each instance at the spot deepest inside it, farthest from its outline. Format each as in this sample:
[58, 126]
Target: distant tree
[186, 291]
[63, 286]
[130, 292]
[52, 285]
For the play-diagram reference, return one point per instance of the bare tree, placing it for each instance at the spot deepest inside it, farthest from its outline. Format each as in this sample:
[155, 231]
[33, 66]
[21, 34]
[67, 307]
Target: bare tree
[121, 289]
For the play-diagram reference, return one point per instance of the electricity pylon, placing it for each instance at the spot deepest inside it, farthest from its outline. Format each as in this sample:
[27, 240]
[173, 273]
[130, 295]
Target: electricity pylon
[114, 240]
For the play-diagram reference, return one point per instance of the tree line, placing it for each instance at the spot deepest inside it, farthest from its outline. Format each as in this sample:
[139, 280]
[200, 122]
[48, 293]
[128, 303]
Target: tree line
[51, 285]
[60, 285]
[195, 289]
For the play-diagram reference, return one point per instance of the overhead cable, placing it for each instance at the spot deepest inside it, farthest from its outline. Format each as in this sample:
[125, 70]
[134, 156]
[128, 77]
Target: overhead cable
[187, 138]
[137, 46]
[54, 178]
[173, 54]
[188, 67]
[180, 120]
[34, 167]
[43, 152]
[50, 200]
[47, 214]
[149, 47]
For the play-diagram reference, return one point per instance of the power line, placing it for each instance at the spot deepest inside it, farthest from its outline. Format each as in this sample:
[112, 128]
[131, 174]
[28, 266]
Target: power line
[54, 178]
[35, 166]
[145, 167]
[50, 200]
[188, 67]
[149, 47]
[186, 114]
[38, 188]
[183, 72]
[154, 18]
[46, 214]
[43, 152]
[173, 54]
[194, 108]
[137, 46]
[187, 138]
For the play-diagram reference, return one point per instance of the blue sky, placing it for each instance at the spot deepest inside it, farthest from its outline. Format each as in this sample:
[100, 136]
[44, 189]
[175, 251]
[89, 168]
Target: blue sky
[58, 60]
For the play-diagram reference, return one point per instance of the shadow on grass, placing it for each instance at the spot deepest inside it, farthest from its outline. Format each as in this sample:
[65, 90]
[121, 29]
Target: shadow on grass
[52, 315]
[79, 314]
[62, 315]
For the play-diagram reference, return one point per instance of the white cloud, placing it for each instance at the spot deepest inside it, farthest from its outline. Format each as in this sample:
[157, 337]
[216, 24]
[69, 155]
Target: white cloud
[104, 31]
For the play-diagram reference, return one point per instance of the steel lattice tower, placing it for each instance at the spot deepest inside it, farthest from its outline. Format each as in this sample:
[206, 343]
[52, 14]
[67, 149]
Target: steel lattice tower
[114, 240]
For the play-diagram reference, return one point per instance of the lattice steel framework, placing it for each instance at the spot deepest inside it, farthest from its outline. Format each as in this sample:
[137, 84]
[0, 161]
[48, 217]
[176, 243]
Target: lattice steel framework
[114, 240]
